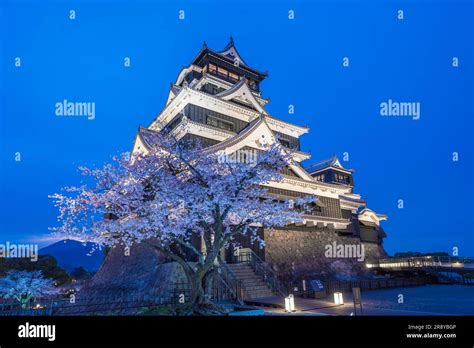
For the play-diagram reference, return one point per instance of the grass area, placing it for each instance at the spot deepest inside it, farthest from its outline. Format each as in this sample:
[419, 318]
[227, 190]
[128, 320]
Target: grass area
[166, 310]
[185, 310]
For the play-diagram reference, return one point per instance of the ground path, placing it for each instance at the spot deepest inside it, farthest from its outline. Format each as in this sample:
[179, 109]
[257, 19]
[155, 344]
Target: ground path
[424, 300]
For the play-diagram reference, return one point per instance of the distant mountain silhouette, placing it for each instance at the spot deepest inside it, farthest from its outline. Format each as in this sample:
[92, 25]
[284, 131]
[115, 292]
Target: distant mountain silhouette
[71, 254]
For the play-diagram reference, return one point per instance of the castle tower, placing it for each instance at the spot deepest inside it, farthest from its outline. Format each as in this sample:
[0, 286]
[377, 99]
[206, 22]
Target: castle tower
[217, 100]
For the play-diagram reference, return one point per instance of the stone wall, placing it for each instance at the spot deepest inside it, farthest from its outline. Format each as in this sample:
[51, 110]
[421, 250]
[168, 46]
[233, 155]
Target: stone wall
[142, 271]
[301, 253]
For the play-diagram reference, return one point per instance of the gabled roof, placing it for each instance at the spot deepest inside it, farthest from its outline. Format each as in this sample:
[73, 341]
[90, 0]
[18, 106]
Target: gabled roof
[225, 85]
[242, 135]
[148, 137]
[185, 71]
[225, 54]
[353, 199]
[368, 217]
[241, 90]
[238, 111]
[231, 51]
[332, 163]
[273, 120]
[254, 135]
[173, 92]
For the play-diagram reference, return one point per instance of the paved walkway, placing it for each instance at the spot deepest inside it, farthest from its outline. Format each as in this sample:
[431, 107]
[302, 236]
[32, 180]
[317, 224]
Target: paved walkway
[301, 304]
[305, 306]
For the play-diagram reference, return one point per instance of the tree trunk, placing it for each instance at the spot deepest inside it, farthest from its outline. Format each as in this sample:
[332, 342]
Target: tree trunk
[200, 285]
[197, 296]
[197, 278]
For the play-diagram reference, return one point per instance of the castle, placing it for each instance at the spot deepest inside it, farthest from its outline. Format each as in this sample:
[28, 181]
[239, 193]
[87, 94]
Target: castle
[217, 100]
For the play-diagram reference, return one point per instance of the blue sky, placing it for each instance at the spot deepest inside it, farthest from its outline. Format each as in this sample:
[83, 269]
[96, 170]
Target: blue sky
[394, 158]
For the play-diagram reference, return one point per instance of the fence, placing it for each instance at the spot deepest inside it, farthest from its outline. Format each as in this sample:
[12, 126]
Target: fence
[12, 307]
[112, 304]
[375, 284]
[115, 304]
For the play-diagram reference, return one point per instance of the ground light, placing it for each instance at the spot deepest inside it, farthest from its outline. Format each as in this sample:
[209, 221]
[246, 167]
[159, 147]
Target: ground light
[290, 303]
[338, 299]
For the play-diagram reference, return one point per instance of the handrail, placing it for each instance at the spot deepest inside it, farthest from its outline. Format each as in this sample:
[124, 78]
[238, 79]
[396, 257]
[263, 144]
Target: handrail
[261, 268]
[231, 281]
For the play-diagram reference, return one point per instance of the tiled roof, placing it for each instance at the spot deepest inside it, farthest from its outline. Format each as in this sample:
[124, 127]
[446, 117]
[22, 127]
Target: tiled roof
[322, 164]
[149, 137]
[235, 139]
[332, 162]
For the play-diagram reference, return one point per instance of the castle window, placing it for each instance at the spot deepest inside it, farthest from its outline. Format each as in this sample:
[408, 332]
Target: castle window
[218, 123]
[212, 68]
[319, 177]
[284, 142]
[233, 76]
[343, 179]
[315, 208]
[222, 72]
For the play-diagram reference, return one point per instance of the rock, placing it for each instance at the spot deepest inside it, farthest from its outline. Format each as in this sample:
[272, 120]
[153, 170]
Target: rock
[143, 271]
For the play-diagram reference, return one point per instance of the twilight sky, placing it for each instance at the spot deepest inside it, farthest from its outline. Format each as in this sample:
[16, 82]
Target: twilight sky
[394, 158]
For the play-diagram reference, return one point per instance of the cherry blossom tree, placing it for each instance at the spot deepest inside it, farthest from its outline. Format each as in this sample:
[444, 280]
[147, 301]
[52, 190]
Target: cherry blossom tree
[23, 286]
[175, 194]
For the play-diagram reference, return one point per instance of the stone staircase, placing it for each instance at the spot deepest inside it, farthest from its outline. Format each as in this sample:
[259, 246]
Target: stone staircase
[254, 286]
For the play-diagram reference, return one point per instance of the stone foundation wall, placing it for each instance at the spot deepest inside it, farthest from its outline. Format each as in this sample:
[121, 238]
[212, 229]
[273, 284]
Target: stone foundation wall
[142, 271]
[301, 253]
